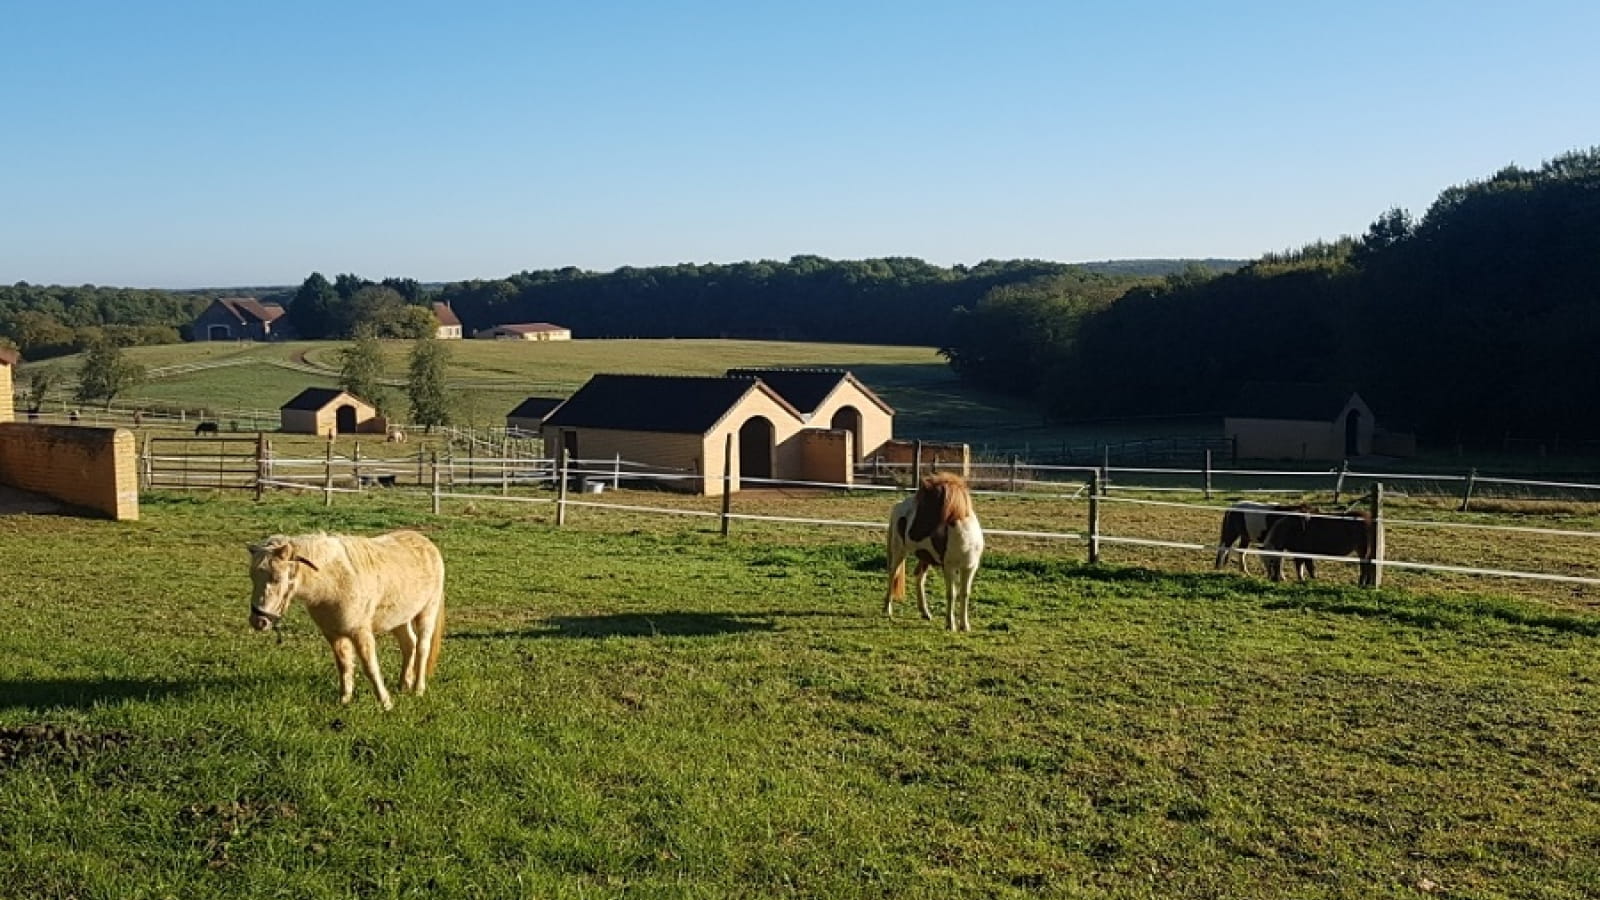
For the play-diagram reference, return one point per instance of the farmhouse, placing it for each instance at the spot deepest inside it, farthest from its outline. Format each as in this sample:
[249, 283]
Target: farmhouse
[242, 319]
[527, 331]
[330, 411]
[530, 414]
[832, 398]
[449, 326]
[1299, 421]
[683, 423]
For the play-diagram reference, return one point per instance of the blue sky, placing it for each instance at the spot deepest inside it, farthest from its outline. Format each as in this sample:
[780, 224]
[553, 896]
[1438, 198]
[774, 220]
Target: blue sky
[243, 143]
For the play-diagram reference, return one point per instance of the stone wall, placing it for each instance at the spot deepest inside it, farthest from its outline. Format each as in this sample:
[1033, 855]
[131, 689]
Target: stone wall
[92, 468]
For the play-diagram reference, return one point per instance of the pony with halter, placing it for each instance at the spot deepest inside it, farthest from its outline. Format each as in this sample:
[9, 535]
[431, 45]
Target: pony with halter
[354, 587]
[938, 527]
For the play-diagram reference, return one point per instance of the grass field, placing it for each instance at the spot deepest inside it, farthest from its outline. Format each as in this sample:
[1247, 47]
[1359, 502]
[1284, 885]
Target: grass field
[632, 706]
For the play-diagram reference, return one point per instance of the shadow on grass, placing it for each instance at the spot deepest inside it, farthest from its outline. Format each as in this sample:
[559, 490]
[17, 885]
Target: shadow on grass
[83, 693]
[663, 624]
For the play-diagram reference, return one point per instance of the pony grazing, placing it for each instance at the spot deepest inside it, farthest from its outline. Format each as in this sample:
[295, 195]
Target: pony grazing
[354, 587]
[938, 527]
[1244, 522]
[1323, 534]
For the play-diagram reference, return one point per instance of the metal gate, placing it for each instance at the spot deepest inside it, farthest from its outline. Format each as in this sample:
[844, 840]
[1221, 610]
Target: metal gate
[206, 463]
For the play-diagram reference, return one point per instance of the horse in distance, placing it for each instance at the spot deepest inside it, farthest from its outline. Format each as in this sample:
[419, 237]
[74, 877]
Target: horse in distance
[938, 527]
[207, 428]
[354, 587]
[1321, 534]
[1246, 522]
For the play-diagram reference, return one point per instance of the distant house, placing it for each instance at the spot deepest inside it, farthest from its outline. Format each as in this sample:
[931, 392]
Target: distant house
[527, 331]
[8, 361]
[449, 326]
[1299, 421]
[530, 414]
[328, 412]
[242, 319]
[832, 398]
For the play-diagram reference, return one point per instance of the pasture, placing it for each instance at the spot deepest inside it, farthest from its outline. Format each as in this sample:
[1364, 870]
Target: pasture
[634, 706]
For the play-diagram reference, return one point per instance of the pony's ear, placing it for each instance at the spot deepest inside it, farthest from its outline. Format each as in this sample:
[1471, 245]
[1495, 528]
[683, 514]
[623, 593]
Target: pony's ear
[308, 563]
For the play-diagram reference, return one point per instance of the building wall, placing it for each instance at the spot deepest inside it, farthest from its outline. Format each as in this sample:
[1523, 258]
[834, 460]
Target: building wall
[1285, 438]
[787, 461]
[877, 426]
[826, 455]
[325, 421]
[7, 409]
[652, 448]
[947, 456]
[93, 468]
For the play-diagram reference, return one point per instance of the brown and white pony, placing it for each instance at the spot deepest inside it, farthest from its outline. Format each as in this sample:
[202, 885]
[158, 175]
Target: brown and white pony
[938, 527]
[1244, 522]
[1323, 534]
[354, 587]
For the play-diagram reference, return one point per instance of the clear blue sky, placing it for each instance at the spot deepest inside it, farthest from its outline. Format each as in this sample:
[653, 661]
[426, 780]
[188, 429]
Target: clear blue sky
[236, 143]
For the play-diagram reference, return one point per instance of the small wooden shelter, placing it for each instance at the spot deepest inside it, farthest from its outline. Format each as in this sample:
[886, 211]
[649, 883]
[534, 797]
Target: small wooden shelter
[1299, 421]
[835, 399]
[329, 412]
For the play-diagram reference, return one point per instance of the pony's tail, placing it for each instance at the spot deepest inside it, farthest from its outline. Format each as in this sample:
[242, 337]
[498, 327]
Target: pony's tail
[897, 582]
[438, 638]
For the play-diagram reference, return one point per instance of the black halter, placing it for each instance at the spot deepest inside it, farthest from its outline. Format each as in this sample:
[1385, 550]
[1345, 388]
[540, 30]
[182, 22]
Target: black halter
[272, 618]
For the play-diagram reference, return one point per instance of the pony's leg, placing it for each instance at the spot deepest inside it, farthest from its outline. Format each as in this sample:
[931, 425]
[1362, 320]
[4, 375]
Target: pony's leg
[344, 660]
[922, 590]
[1308, 569]
[407, 636]
[897, 580]
[426, 621]
[1244, 558]
[367, 650]
[966, 580]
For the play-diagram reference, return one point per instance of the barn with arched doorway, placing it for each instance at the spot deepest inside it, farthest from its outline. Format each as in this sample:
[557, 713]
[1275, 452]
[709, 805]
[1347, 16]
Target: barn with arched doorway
[329, 412]
[832, 399]
[1299, 421]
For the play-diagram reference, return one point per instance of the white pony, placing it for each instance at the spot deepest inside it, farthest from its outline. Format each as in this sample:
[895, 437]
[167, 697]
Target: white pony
[938, 527]
[353, 587]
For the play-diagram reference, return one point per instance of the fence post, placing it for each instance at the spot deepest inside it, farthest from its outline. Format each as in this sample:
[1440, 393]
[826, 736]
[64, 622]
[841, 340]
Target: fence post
[327, 475]
[616, 472]
[916, 462]
[149, 470]
[1466, 495]
[450, 466]
[1206, 483]
[355, 465]
[505, 466]
[261, 464]
[1374, 569]
[1094, 518]
[1013, 487]
[1105, 471]
[561, 490]
[1338, 482]
[727, 481]
[434, 472]
[1235, 443]
[421, 457]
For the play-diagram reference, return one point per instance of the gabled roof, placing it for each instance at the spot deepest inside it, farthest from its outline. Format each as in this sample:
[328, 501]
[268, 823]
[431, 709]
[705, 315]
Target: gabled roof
[530, 328]
[1297, 401]
[445, 314]
[535, 408]
[317, 398]
[9, 356]
[249, 309]
[676, 404]
[807, 388]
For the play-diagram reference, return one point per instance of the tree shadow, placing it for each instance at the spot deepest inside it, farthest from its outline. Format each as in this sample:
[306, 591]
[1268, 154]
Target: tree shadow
[661, 624]
[84, 693]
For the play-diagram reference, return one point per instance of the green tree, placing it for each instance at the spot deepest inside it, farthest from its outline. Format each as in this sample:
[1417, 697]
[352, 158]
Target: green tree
[39, 383]
[314, 309]
[425, 384]
[105, 373]
[361, 368]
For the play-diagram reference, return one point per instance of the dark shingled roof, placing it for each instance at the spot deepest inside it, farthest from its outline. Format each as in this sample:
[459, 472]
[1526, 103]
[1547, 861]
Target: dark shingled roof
[669, 403]
[807, 388]
[313, 398]
[535, 408]
[1297, 401]
[9, 356]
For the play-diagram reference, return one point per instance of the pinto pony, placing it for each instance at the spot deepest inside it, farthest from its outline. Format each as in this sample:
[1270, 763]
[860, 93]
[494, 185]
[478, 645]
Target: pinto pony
[938, 527]
[1246, 521]
[1323, 534]
[354, 587]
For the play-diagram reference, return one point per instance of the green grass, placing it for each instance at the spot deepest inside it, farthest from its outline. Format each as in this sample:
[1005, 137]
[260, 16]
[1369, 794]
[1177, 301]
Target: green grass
[654, 711]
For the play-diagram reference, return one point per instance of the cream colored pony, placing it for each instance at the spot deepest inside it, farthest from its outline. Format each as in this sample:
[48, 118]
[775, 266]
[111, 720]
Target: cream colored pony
[354, 587]
[938, 527]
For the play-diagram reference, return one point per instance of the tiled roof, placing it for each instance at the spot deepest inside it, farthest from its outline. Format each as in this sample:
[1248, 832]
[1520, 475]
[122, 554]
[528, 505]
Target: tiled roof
[9, 356]
[247, 309]
[445, 314]
[530, 327]
[667, 403]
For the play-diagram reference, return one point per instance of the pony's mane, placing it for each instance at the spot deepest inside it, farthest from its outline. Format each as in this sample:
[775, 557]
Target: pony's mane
[949, 491]
[272, 542]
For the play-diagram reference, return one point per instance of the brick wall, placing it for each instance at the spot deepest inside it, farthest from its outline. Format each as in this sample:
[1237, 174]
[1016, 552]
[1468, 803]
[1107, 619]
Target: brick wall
[6, 411]
[92, 468]
[827, 455]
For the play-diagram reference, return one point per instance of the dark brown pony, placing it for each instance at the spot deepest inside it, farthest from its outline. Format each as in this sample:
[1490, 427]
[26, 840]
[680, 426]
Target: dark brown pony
[1323, 534]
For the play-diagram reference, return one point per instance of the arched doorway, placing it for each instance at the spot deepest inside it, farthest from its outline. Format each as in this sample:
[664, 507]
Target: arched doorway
[219, 333]
[345, 419]
[755, 448]
[1352, 433]
[848, 418]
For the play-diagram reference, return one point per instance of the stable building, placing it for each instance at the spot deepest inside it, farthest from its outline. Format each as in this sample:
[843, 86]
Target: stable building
[329, 412]
[683, 425]
[241, 319]
[834, 399]
[1299, 421]
[530, 414]
[525, 331]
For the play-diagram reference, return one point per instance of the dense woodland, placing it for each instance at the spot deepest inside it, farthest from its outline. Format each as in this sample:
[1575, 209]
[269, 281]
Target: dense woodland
[1479, 319]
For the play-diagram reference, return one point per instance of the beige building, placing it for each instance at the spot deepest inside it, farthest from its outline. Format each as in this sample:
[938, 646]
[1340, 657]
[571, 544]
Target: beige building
[8, 361]
[682, 425]
[329, 412]
[833, 399]
[449, 326]
[527, 331]
[1299, 421]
